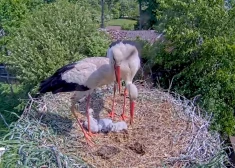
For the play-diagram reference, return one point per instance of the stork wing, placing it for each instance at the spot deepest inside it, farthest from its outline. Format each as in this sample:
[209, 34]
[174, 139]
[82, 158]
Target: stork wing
[80, 73]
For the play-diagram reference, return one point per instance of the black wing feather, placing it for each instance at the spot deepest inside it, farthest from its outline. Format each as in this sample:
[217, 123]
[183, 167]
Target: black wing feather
[55, 84]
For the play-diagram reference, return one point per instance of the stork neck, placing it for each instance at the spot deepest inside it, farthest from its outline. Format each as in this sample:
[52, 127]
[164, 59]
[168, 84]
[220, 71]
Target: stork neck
[134, 56]
[128, 83]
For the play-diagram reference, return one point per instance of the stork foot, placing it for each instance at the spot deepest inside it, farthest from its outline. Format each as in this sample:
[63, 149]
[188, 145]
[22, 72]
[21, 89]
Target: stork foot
[125, 93]
[89, 133]
[131, 121]
[88, 139]
[111, 115]
[123, 117]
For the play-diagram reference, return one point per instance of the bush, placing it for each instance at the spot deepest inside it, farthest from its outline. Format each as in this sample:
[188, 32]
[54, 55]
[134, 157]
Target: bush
[12, 15]
[128, 26]
[13, 12]
[9, 102]
[97, 45]
[59, 33]
[202, 36]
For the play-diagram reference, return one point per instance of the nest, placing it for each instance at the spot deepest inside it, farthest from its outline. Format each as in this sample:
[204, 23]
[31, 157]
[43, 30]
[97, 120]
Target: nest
[168, 130]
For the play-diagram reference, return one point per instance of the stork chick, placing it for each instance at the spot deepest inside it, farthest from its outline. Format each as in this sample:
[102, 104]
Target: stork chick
[93, 122]
[117, 127]
[103, 124]
[97, 125]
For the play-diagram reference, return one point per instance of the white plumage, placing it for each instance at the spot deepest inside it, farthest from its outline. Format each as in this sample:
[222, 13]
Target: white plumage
[117, 127]
[124, 56]
[93, 122]
[103, 125]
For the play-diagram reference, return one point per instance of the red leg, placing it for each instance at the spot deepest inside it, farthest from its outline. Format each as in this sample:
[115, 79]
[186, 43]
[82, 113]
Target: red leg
[88, 118]
[132, 107]
[112, 114]
[87, 137]
[123, 116]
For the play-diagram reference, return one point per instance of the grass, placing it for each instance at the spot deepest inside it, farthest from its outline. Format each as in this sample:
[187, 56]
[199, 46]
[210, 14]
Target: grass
[31, 144]
[8, 102]
[121, 22]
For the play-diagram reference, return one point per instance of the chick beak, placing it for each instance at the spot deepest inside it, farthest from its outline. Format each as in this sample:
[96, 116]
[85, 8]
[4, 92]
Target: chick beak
[132, 107]
[117, 74]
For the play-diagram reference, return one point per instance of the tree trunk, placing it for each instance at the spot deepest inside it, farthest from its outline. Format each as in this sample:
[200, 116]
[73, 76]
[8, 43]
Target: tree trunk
[140, 24]
[9, 81]
[102, 14]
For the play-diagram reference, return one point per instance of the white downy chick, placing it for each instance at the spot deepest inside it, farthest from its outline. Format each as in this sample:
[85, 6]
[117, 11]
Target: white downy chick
[118, 126]
[93, 122]
[103, 125]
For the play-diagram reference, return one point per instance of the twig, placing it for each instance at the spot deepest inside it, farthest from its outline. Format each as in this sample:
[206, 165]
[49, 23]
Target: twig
[27, 107]
[171, 84]
[5, 122]
[57, 157]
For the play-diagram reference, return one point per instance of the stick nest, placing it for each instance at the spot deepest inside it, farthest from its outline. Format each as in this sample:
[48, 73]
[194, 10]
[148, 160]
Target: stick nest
[168, 130]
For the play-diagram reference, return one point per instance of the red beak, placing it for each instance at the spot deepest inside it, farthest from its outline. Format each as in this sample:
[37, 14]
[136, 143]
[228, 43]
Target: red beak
[118, 78]
[132, 107]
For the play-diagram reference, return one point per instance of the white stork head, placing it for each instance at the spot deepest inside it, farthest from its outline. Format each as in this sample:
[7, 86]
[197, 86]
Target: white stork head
[118, 54]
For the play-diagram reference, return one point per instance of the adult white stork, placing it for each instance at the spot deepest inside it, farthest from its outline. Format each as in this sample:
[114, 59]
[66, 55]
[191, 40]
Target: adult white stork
[124, 56]
[82, 77]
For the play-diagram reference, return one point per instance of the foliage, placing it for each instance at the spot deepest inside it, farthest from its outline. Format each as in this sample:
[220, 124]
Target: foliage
[128, 26]
[13, 12]
[8, 105]
[148, 14]
[128, 8]
[95, 9]
[43, 44]
[201, 34]
[12, 15]
[115, 12]
[122, 8]
[97, 44]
